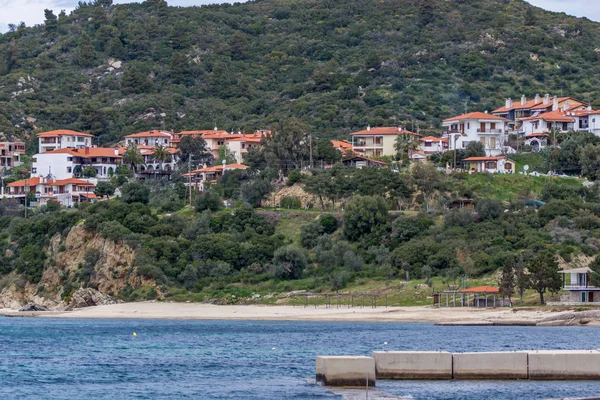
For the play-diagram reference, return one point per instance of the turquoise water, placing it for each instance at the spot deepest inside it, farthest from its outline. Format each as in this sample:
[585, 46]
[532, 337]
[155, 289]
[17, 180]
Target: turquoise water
[100, 359]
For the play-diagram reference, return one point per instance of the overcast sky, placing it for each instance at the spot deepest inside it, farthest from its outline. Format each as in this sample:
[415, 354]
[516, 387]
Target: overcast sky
[32, 11]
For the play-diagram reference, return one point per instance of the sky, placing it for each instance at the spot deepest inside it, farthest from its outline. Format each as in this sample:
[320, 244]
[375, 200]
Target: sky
[32, 11]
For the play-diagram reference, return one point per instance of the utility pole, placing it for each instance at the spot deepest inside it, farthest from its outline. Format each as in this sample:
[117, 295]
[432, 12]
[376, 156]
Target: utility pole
[190, 176]
[310, 150]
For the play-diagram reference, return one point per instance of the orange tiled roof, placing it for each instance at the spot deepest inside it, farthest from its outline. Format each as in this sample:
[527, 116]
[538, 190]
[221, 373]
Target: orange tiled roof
[480, 289]
[341, 144]
[62, 132]
[385, 130]
[50, 182]
[555, 116]
[476, 115]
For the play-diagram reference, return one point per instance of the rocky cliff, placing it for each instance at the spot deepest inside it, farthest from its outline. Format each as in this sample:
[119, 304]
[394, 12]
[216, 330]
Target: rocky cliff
[81, 259]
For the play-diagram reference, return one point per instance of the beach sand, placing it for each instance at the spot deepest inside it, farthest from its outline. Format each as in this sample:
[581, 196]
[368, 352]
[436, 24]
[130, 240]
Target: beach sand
[158, 310]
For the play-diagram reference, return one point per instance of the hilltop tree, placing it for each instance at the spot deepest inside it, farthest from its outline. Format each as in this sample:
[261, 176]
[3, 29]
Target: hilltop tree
[51, 20]
[543, 272]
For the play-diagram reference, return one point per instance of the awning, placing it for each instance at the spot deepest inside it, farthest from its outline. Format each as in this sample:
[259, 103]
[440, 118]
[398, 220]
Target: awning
[583, 270]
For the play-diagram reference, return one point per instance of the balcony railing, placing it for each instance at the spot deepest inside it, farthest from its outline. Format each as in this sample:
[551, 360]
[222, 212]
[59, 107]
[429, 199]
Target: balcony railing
[579, 287]
[491, 131]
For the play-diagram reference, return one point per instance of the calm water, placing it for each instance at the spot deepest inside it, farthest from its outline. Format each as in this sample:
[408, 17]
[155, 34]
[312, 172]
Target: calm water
[99, 359]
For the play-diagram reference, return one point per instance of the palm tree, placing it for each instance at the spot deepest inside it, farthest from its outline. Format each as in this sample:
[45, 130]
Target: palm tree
[405, 143]
[161, 154]
[132, 156]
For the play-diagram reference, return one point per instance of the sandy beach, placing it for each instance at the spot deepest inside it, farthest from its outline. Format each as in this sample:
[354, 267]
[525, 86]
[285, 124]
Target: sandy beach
[156, 310]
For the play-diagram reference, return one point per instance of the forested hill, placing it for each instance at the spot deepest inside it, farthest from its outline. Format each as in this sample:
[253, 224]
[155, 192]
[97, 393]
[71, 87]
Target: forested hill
[338, 65]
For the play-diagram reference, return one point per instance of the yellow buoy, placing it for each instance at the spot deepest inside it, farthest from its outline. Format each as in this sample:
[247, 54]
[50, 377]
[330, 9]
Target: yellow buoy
[134, 334]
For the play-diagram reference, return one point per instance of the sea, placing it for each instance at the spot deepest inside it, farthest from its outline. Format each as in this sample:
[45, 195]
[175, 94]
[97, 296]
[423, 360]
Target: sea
[260, 360]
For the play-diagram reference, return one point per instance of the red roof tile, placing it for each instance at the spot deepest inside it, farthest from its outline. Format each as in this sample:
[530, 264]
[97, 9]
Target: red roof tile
[62, 132]
[385, 130]
[476, 115]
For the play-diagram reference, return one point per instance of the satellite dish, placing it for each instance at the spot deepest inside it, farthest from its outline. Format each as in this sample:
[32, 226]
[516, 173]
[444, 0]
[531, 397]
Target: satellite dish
[526, 168]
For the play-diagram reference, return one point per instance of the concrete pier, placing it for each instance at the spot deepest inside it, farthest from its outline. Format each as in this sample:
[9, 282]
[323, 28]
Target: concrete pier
[509, 365]
[413, 364]
[564, 364]
[346, 371]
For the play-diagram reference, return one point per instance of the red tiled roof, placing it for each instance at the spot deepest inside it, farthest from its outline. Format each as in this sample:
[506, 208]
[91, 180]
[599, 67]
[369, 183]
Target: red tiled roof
[151, 134]
[476, 115]
[62, 132]
[385, 130]
[433, 139]
[341, 144]
[25, 182]
[480, 289]
[555, 116]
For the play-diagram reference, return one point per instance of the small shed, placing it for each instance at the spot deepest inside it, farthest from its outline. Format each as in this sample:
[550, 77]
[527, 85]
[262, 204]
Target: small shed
[480, 296]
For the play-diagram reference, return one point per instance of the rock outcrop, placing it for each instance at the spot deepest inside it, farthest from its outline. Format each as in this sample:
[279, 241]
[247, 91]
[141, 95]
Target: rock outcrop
[89, 298]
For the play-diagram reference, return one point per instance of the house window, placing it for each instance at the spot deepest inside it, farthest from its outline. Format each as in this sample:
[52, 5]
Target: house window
[468, 125]
[69, 158]
[482, 140]
[69, 170]
[508, 166]
[68, 138]
[378, 140]
[565, 126]
[34, 170]
[493, 143]
[492, 125]
[427, 144]
[490, 165]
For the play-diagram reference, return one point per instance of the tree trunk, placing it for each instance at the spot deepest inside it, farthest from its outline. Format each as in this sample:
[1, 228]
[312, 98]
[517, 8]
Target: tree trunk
[541, 297]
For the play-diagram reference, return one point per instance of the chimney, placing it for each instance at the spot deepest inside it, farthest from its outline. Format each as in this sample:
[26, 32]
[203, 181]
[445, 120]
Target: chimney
[116, 152]
[486, 111]
[368, 128]
[87, 150]
[523, 100]
[555, 103]
[399, 128]
[589, 107]
[537, 98]
[215, 128]
[567, 105]
[509, 103]
[546, 99]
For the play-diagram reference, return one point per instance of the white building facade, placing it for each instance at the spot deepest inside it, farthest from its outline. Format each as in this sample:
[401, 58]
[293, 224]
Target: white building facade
[63, 139]
[489, 130]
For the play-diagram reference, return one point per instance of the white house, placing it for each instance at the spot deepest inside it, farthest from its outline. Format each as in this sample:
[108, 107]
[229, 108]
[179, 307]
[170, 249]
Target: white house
[577, 283]
[63, 139]
[150, 138]
[207, 175]
[237, 143]
[66, 191]
[432, 145]
[69, 163]
[490, 130]
[490, 165]
[380, 141]
[150, 165]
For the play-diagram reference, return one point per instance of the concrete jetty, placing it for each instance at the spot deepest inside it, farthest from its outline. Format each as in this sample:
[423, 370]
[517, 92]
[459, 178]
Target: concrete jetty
[564, 364]
[491, 365]
[435, 365]
[413, 365]
[346, 371]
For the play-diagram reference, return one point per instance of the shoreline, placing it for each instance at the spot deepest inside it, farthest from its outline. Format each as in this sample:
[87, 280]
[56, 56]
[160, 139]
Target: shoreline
[200, 311]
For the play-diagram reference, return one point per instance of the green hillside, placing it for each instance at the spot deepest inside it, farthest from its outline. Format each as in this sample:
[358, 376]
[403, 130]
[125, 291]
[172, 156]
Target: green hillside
[336, 65]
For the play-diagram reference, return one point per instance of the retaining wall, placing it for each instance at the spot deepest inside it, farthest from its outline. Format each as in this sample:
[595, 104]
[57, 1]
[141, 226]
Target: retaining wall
[413, 365]
[492, 365]
[346, 371]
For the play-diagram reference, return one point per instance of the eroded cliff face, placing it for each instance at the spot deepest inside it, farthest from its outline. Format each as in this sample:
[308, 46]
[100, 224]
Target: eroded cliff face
[68, 257]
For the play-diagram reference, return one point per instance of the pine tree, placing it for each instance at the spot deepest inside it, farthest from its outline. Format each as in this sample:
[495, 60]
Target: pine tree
[86, 55]
[508, 282]
[180, 68]
[134, 81]
[51, 20]
[529, 17]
